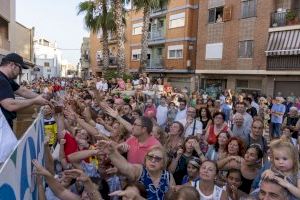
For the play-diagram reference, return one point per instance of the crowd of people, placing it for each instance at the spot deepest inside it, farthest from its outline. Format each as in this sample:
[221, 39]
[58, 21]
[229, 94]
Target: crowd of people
[142, 139]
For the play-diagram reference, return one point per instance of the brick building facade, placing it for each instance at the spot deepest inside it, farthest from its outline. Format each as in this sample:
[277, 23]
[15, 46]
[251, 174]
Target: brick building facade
[216, 44]
[232, 50]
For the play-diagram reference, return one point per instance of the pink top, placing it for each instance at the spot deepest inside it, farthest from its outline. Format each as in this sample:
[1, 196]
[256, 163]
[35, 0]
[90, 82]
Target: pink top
[137, 151]
[150, 111]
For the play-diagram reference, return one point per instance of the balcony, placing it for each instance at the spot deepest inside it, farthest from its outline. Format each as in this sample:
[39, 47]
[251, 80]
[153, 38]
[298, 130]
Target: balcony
[283, 62]
[285, 18]
[112, 62]
[4, 44]
[158, 12]
[156, 35]
[157, 63]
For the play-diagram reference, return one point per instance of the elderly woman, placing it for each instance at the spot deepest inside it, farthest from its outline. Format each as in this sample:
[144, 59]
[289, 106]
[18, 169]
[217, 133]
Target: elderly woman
[151, 174]
[206, 185]
[219, 125]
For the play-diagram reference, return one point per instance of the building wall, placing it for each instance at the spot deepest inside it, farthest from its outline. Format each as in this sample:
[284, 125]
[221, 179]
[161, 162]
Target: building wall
[7, 12]
[24, 43]
[230, 33]
[47, 52]
[94, 47]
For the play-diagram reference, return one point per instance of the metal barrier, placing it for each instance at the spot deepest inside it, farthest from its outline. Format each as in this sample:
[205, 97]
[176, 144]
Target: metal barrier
[16, 179]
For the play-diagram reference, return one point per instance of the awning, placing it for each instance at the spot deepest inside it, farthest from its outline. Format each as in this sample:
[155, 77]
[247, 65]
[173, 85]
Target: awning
[284, 43]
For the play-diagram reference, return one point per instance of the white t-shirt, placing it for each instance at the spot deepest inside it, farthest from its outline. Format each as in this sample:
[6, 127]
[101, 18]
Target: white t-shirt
[162, 115]
[190, 127]
[99, 85]
[101, 129]
[105, 87]
[216, 195]
[181, 115]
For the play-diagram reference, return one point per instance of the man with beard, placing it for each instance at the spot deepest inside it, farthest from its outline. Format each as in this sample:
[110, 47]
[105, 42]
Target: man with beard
[10, 67]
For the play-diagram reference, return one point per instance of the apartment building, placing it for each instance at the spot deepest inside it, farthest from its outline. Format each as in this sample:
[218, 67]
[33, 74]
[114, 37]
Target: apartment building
[247, 45]
[85, 58]
[172, 43]
[48, 58]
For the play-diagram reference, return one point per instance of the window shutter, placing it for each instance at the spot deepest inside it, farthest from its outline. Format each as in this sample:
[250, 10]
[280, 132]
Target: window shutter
[227, 13]
[249, 49]
[241, 49]
[212, 15]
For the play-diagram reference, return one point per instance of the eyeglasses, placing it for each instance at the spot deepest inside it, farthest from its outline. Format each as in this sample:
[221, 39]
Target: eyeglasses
[154, 158]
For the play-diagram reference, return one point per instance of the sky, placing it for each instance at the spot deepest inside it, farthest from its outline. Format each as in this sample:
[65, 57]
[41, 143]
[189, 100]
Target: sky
[55, 20]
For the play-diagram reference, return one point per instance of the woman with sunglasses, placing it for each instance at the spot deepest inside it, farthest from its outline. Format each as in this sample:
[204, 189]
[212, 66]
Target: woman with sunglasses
[151, 174]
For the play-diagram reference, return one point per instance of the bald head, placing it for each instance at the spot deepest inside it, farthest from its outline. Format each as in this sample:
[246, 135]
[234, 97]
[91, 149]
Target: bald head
[238, 119]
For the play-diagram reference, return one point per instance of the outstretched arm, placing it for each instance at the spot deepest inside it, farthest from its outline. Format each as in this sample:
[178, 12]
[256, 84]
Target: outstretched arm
[132, 171]
[55, 186]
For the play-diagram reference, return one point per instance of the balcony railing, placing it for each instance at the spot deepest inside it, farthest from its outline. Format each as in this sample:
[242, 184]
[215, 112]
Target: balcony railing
[283, 62]
[157, 63]
[4, 44]
[112, 62]
[158, 10]
[285, 18]
[156, 35]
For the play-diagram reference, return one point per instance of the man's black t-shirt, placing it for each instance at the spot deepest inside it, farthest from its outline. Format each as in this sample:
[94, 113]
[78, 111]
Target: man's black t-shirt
[7, 89]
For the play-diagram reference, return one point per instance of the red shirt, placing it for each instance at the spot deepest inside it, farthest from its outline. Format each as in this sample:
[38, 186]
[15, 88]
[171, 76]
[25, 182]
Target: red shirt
[137, 151]
[70, 145]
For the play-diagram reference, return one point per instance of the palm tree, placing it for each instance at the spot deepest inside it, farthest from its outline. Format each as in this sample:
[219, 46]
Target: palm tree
[146, 6]
[120, 29]
[98, 17]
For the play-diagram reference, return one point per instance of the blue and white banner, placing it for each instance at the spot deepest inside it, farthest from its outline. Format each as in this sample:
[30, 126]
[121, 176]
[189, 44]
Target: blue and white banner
[16, 179]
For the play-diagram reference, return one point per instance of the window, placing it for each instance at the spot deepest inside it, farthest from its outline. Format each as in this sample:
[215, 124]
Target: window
[46, 64]
[248, 8]
[136, 54]
[214, 51]
[48, 70]
[137, 29]
[177, 20]
[175, 52]
[215, 15]
[246, 49]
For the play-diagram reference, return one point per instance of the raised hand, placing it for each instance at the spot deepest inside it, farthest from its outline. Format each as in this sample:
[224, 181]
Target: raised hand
[123, 147]
[39, 169]
[76, 174]
[107, 146]
[109, 110]
[40, 100]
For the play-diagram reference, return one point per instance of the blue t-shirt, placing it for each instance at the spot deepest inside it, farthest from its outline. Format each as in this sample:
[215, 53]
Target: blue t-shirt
[277, 108]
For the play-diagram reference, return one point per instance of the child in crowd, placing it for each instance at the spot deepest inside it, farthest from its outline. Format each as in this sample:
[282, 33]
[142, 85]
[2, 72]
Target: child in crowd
[285, 167]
